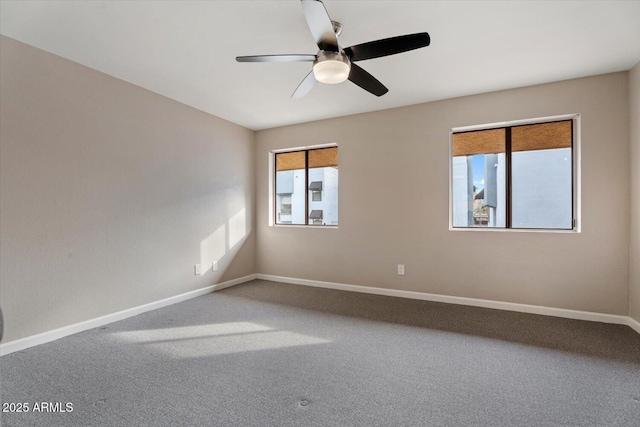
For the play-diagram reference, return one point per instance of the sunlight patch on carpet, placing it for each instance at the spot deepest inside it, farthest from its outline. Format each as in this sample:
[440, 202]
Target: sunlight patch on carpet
[217, 339]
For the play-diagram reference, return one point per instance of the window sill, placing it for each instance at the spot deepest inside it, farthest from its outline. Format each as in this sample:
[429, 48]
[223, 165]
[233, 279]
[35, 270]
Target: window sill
[515, 230]
[323, 227]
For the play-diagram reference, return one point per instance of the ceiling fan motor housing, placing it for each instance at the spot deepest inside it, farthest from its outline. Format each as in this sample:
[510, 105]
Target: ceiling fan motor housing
[331, 67]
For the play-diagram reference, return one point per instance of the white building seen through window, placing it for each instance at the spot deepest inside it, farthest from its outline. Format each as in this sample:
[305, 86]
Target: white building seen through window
[306, 187]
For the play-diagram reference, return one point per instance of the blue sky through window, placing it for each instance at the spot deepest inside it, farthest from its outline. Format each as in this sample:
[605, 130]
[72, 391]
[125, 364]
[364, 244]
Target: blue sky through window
[478, 171]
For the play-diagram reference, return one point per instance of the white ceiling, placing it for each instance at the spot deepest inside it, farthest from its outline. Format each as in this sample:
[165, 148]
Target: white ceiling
[186, 50]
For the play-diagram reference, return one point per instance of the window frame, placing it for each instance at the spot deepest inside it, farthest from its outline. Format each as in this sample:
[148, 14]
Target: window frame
[272, 187]
[575, 173]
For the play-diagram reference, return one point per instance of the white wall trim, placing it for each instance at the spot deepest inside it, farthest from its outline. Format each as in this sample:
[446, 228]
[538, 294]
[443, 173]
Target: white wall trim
[633, 324]
[45, 337]
[234, 282]
[498, 305]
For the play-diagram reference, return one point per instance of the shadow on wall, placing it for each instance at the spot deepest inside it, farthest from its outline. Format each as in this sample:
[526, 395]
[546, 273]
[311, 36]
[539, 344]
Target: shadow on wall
[221, 246]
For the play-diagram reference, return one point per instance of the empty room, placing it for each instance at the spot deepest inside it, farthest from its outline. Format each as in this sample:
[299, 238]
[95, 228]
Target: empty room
[320, 213]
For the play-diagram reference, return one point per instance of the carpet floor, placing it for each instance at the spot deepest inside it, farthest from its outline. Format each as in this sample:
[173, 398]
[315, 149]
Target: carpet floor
[273, 354]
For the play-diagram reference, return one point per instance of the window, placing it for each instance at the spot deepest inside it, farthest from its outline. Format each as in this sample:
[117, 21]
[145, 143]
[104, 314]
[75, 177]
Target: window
[316, 216]
[285, 205]
[316, 191]
[517, 176]
[297, 202]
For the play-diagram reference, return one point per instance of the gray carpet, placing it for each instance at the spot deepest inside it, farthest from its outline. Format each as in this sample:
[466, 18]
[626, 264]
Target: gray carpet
[273, 354]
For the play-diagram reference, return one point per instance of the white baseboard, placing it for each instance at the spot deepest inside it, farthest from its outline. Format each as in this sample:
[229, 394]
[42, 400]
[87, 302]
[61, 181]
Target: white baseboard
[234, 282]
[498, 305]
[45, 337]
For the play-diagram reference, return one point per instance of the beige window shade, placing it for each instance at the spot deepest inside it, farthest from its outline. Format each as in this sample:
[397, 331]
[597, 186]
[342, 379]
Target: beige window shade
[323, 158]
[480, 142]
[542, 136]
[290, 161]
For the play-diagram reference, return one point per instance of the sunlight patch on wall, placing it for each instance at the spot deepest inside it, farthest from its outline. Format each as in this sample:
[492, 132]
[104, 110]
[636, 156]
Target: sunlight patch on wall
[237, 227]
[213, 247]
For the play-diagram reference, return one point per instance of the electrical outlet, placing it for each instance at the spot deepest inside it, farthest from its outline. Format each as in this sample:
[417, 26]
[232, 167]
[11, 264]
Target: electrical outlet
[198, 269]
[400, 269]
[215, 266]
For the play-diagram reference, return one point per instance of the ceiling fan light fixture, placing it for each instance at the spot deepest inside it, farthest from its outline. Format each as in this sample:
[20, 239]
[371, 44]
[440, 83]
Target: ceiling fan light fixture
[331, 67]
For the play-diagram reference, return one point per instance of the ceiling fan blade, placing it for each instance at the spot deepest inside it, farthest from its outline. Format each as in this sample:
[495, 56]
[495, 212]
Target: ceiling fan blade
[320, 25]
[276, 58]
[366, 81]
[390, 46]
[305, 86]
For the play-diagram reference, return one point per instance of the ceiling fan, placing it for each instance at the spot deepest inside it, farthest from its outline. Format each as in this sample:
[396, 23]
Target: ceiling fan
[334, 64]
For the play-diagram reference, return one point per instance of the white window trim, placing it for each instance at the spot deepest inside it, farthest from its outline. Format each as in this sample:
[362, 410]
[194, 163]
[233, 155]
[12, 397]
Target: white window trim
[272, 183]
[577, 184]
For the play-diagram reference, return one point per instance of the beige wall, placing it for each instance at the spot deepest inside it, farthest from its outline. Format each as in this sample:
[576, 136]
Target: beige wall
[634, 126]
[394, 204]
[110, 194]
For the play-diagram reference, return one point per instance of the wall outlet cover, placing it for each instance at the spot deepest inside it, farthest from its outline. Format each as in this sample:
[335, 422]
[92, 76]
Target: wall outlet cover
[400, 269]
